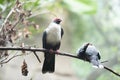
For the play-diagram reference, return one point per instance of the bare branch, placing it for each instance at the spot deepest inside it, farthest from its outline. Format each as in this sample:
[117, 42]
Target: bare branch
[19, 19]
[21, 49]
[45, 50]
[111, 71]
[10, 59]
[37, 57]
[37, 50]
[6, 19]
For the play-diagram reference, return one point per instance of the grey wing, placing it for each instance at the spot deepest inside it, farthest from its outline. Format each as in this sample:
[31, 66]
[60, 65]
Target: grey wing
[62, 32]
[44, 39]
[94, 60]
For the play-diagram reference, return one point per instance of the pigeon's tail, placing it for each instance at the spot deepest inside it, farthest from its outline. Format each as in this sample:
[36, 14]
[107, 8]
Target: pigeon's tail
[97, 64]
[49, 63]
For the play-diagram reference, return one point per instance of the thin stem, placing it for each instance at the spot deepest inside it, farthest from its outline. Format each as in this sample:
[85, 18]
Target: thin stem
[37, 57]
[6, 19]
[111, 71]
[10, 59]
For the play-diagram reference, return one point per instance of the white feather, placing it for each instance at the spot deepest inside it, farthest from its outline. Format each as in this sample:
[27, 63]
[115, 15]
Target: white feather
[99, 66]
[53, 33]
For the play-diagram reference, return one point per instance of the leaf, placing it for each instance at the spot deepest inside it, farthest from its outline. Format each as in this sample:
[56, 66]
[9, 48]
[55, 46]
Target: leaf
[1, 1]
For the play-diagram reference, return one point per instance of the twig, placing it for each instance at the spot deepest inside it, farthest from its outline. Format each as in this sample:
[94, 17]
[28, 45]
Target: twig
[45, 50]
[104, 61]
[21, 48]
[11, 58]
[19, 19]
[6, 19]
[4, 59]
[40, 13]
[111, 71]
[37, 14]
[37, 57]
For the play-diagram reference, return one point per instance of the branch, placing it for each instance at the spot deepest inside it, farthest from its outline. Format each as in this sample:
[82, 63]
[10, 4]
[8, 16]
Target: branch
[6, 19]
[21, 15]
[45, 50]
[96, 74]
[37, 50]
[111, 71]
[25, 49]
[11, 58]
[37, 57]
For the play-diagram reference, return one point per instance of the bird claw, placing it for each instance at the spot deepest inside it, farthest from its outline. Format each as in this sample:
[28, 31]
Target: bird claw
[57, 52]
[51, 51]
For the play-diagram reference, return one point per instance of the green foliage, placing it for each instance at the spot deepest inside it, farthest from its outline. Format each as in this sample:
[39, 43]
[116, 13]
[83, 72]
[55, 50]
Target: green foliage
[5, 5]
[31, 4]
[81, 6]
[88, 21]
[1, 1]
[82, 68]
[35, 31]
[105, 75]
[94, 29]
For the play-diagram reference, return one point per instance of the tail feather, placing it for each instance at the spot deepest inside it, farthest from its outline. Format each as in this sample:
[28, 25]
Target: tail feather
[49, 63]
[96, 64]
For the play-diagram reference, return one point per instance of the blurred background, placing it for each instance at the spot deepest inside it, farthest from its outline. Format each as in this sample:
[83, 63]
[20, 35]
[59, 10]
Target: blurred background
[94, 21]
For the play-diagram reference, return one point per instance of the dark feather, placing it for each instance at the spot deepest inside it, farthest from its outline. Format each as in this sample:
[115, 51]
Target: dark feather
[62, 32]
[49, 61]
[44, 39]
[99, 57]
